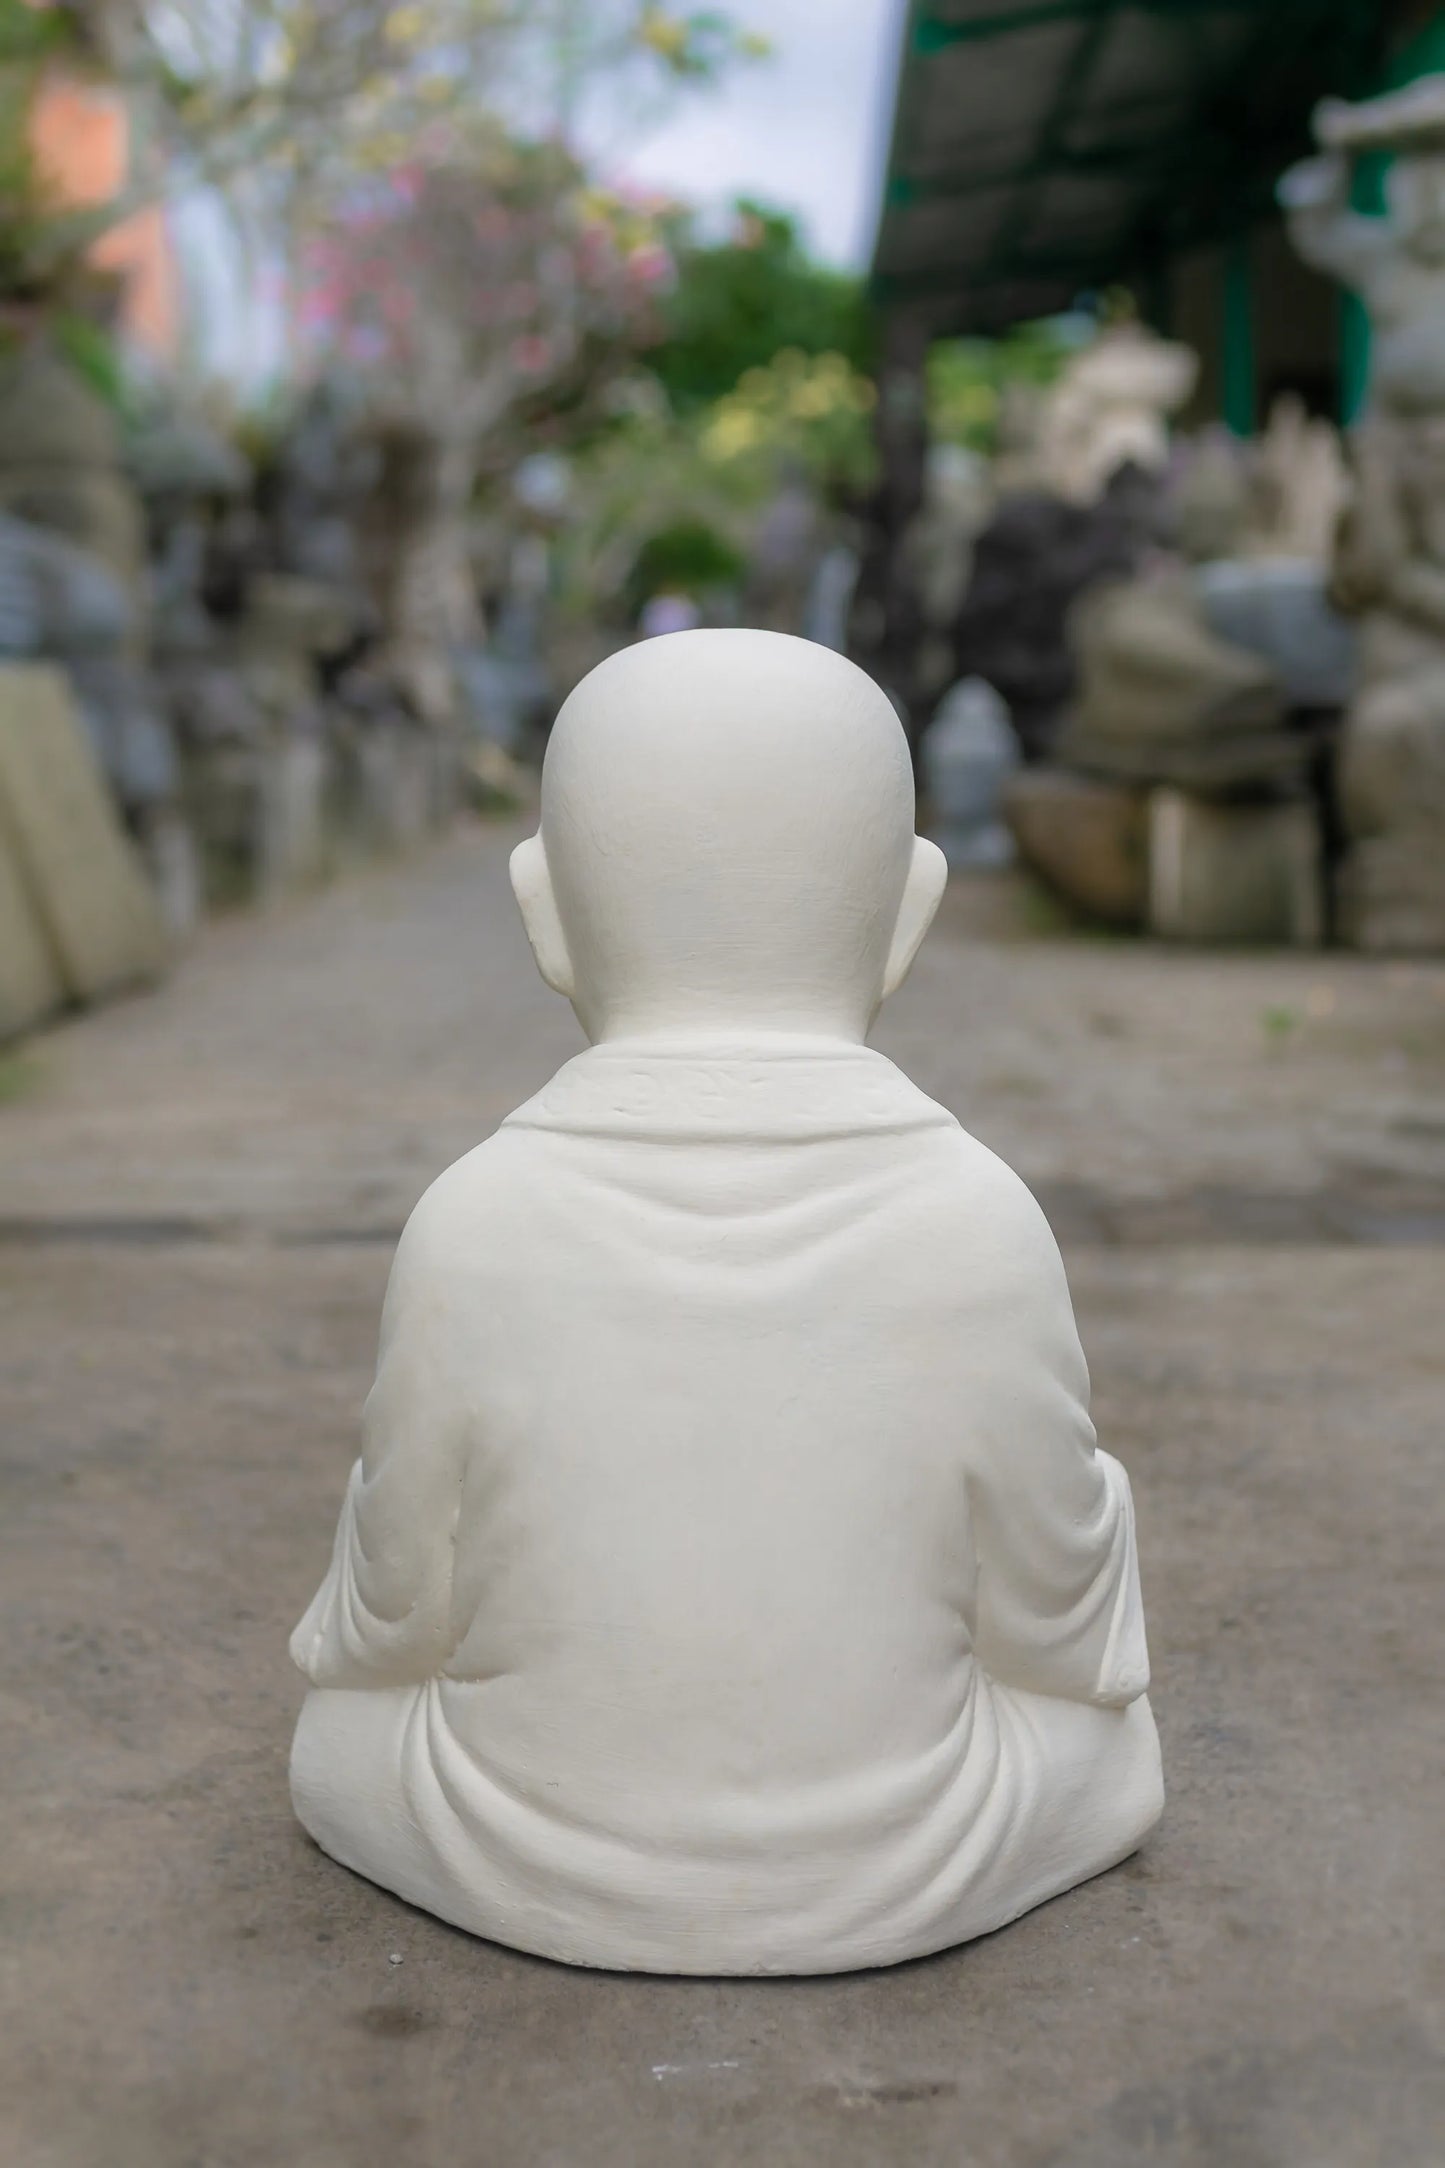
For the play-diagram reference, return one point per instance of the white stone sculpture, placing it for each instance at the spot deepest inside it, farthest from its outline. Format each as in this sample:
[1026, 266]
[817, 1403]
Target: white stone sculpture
[1397, 263]
[1298, 486]
[1110, 408]
[729, 1582]
[1389, 561]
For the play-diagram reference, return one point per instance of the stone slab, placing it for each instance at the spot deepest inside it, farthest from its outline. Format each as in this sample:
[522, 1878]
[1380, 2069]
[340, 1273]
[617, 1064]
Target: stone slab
[1087, 838]
[30, 981]
[1227, 873]
[85, 884]
[1392, 893]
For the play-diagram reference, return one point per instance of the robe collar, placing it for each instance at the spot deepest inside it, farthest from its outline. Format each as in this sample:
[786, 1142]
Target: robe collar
[778, 1090]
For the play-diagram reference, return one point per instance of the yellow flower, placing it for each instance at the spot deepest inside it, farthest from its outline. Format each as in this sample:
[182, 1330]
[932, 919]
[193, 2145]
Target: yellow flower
[405, 25]
[731, 430]
[662, 33]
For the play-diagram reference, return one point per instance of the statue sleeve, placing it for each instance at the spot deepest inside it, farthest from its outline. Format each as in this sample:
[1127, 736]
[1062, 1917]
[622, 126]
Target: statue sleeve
[382, 1615]
[1347, 244]
[1058, 1608]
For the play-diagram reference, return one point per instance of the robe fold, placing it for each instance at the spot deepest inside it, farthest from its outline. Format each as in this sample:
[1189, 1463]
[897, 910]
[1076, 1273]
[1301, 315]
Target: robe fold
[729, 1581]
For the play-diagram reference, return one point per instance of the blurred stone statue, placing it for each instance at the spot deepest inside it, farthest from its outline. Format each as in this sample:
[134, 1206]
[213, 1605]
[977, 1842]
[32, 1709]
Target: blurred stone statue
[1210, 498]
[1280, 495]
[1015, 464]
[73, 565]
[1298, 485]
[969, 751]
[1389, 568]
[787, 543]
[1163, 699]
[1037, 555]
[60, 467]
[1390, 573]
[937, 547]
[1396, 264]
[1110, 408]
[314, 491]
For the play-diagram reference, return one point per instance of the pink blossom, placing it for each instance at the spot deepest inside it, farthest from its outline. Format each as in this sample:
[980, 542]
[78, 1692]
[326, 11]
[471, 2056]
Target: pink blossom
[531, 354]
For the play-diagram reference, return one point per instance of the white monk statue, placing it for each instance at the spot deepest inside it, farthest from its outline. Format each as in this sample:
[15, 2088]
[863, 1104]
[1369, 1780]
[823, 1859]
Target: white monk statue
[729, 1582]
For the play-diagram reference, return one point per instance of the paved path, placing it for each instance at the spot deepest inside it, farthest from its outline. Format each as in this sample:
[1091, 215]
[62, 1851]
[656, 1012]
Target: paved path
[1246, 1161]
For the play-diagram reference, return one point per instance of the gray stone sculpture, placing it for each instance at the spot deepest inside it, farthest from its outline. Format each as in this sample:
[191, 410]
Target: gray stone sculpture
[1163, 699]
[968, 753]
[1035, 558]
[1390, 561]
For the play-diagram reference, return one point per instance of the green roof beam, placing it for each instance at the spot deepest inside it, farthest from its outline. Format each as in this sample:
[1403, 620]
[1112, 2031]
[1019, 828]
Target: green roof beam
[932, 34]
[1019, 215]
[1104, 163]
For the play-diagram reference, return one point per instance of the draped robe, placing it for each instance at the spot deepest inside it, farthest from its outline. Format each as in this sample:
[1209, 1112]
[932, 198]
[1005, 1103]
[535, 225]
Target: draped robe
[729, 1581]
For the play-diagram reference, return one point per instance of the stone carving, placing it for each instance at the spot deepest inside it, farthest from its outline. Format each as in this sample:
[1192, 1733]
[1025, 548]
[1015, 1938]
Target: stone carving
[73, 591]
[1298, 485]
[1279, 608]
[1031, 563]
[1088, 839]
[729, 1582]
[60, 466]
[1279, 496]
[1162, 699]
[968, 753]
[1396, 264]
[937, 551]
[1110, 408]
[1390, 574]
[1389, 567]
[1210, 497]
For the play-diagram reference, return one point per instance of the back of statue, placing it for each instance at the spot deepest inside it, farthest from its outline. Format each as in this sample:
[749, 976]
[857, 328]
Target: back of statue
[729, 1582]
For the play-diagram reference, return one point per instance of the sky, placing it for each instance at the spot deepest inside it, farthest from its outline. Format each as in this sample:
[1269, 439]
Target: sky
[805, 130]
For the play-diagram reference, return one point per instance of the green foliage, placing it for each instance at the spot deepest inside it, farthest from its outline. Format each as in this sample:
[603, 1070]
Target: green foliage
[23, 203]
[32, 34]
[666, 498]
[803, 410]
[968, 379]
[698, 43]
[91, 351]
[689, 556]
[738, 303]
[1279, 1025]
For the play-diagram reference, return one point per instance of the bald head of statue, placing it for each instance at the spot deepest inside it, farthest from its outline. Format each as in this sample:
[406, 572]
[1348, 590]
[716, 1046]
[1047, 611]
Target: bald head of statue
[726, 845]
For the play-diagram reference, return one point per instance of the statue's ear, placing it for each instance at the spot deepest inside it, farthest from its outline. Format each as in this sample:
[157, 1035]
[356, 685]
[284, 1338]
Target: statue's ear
[532, 887]
[922, 894]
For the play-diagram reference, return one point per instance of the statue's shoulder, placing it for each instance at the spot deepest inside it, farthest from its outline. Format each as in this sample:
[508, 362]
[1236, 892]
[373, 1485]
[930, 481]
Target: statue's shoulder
[984, 1217]
[474, 1207]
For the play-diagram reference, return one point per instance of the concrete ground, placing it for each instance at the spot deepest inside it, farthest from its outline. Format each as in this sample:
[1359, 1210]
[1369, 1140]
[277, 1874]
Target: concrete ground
[1245, 1159]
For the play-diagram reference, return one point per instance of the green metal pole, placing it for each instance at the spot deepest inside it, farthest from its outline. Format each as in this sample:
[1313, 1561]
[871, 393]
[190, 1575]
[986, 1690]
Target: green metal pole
[1354, 358]
[1238, 358]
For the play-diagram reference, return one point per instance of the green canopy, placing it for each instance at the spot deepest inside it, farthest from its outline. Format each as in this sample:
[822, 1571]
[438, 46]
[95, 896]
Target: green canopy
[1042, 148]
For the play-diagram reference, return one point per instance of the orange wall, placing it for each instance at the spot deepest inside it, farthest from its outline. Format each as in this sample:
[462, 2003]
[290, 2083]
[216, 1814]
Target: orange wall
[80, 138]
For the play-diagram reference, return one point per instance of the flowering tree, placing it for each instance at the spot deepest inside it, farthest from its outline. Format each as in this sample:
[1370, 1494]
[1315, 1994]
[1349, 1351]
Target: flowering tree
[486, 298]
[305, 94]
